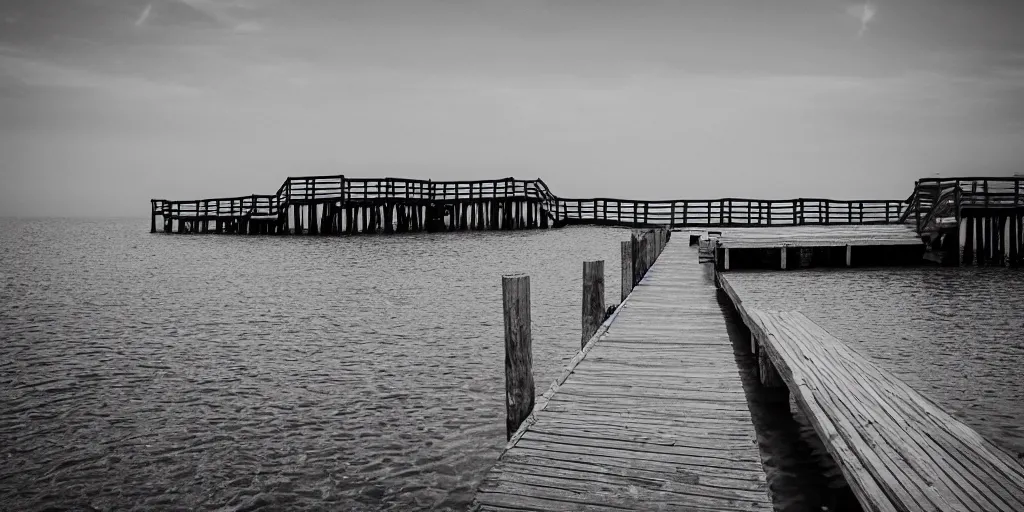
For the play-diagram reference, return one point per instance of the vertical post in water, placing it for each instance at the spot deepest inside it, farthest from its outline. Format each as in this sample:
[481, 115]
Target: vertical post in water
[515, 301]
[627, 268]
[593, 298]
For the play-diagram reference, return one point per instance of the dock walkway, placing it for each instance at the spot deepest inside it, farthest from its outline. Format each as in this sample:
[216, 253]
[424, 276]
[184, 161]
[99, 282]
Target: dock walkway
[653, 418]
[897, 450]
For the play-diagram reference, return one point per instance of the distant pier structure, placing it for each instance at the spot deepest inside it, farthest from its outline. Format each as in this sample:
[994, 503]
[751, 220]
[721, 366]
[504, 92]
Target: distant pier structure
[328, 205]
[951, 220]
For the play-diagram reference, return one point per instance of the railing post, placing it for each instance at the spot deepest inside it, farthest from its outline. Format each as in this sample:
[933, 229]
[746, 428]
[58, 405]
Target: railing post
[593, 298]
[152, 215]
[519, 386]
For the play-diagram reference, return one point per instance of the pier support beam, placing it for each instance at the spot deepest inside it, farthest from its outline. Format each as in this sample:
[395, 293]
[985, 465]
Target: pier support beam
[593, 298]
[519, 387]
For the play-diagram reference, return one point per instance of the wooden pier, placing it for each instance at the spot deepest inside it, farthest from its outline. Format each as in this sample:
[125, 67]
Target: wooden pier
[970, 221]
[338, 205]
[962, 220]
[896, 449]
[651, 414]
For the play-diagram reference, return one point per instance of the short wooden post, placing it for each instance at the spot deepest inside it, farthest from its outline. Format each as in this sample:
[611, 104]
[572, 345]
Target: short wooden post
[593, 298]
[519, 387]
[849, 255]
[152, 216]
[627, 268]
[726, 257]
[782, 263]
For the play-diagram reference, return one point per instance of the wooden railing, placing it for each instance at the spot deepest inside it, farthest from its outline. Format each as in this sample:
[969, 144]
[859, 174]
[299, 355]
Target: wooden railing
[946, 198]
[727, 212]
[602, 211]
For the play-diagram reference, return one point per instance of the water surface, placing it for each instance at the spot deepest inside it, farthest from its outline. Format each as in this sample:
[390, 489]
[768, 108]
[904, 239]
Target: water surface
[145, 371]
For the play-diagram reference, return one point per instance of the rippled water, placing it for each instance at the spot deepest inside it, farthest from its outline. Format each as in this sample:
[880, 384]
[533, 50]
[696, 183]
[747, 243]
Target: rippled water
[144, 371]
[954, 334]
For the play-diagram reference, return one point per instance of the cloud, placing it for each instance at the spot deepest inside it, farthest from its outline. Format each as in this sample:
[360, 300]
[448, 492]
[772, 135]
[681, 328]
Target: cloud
[33, 73]
[144, 15]
[865, 13]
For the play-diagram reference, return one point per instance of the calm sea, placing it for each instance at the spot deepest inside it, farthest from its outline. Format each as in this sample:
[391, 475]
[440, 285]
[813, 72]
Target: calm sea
[144, 372]
[205, 372]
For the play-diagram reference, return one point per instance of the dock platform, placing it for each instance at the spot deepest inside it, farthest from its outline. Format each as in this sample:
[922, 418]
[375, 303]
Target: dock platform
[654, 417]
[791, 247]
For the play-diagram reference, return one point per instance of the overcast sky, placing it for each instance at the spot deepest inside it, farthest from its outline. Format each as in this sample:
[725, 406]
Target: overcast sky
[107, 103]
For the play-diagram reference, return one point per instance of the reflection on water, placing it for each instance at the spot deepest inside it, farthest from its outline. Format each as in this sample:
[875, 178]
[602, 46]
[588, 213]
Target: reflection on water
[954, 334]
[203, 372]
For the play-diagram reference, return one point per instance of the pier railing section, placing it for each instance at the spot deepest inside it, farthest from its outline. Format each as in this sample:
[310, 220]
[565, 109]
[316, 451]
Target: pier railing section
[515, 203]
[727, 212]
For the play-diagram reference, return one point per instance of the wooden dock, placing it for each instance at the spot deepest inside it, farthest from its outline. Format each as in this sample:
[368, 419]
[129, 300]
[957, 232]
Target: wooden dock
[652, 416]
[896, 449]
[795, 247]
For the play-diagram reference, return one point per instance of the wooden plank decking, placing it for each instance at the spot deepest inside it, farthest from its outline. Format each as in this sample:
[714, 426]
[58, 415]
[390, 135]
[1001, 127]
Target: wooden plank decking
[653, 417]
[897, 450]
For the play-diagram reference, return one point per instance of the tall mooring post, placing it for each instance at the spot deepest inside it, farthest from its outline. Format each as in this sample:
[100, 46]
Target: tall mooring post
[627, 268]
[593, 298]
[519, 387]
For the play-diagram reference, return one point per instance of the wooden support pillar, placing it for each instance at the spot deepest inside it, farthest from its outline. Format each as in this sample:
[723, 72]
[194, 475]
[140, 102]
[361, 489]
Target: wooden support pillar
[627, 268]
[152, 216]
[725, 263]
[519, 387]
[313, 227]
[593, 298]
[979, 247]
[1014, 241]
[849, 255]
[782, 258]
[968, 253]
[766, 370]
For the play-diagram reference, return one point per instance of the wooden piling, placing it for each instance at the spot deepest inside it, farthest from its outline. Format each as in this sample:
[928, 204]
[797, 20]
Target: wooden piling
[1014, 241]
[593, 298]
[979, 247]
[519, 386]
[968, 257]
[769, 376]
[627, 268]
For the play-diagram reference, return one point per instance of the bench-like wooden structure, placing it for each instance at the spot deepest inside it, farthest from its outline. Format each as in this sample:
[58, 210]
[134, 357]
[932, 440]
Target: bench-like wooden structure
[897, 450]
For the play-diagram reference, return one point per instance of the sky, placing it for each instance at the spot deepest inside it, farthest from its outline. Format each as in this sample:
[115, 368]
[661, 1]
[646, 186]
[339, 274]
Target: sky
[105, 104]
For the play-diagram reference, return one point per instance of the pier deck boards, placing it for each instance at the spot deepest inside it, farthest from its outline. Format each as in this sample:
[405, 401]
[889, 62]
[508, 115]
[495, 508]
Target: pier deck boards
[897, 450]
[654, 417]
